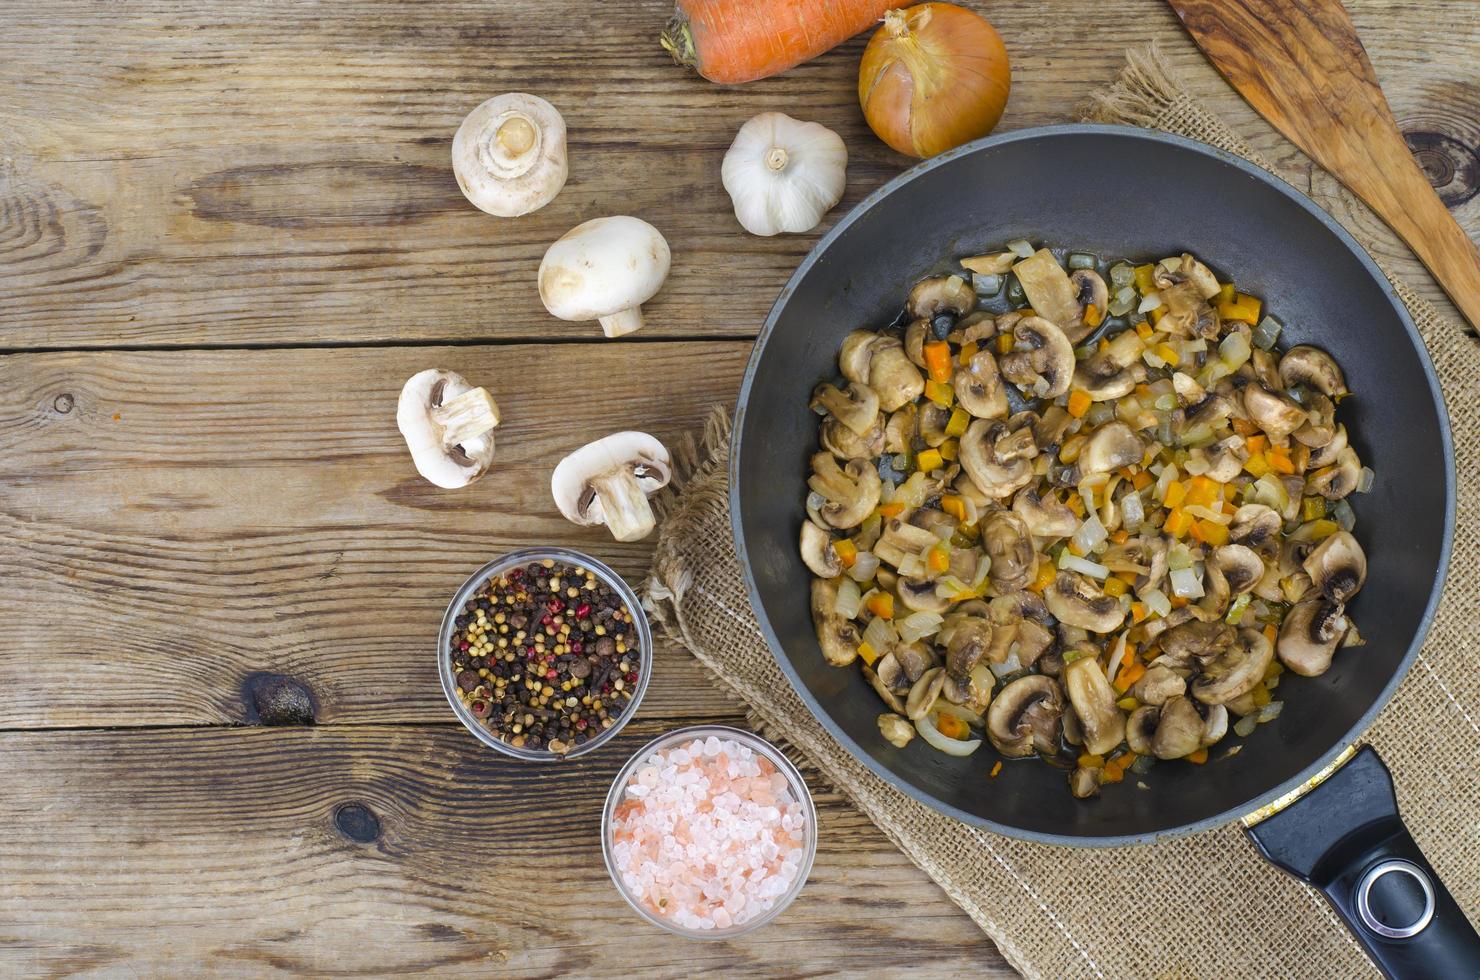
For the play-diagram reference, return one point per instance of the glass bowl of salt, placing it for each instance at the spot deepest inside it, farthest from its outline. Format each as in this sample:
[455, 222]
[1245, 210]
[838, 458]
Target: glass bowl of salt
[709, 832]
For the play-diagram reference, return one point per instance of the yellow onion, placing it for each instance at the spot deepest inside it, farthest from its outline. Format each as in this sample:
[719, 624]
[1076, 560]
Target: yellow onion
[933, 77]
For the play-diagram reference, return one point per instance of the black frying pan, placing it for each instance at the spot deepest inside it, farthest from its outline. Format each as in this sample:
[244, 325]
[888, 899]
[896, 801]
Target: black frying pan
[1128, 192]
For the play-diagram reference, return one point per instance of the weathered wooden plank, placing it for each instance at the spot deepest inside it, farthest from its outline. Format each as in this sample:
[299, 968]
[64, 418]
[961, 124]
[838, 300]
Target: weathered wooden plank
[174, 522]
[228, 852]
[241, 172]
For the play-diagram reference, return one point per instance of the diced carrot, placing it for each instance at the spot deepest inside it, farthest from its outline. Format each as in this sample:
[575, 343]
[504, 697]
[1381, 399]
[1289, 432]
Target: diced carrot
[940, 558]
[881, 604]
[968, 351]
[1178, 602]
[1091, 761]
[1204, 492]
[954, 505]
[1213, 533]
[1225, 293]
[938, 360]
[847, 552]
[892, 509]
[1230, 492]
[1142, 480]
[1243, 308]
[1279, 460]
[1004, 343]
[1115, 587]
[996, 768]
[1129, 657]
[1138, 611]
[940, 393]
[1093, 315]
[929, 460]
[1143, 330]
[1143, 390]
[1154, 316]
[957, 426]
[1079, 403]
[868, 653]
[1120, 536]
[1245, 428]
[1256, 444]
[1165, 352]
[950, 449]
[1195, 531]
[1129, 578]
[1103, 345]
[1112, 773]
[1271, 633]
[1128, 676]
[1146, 278]
[952, 727]
[1176, 493]
[1199, 757]
[1257, 465]
[1076, 504]
[1044, 577]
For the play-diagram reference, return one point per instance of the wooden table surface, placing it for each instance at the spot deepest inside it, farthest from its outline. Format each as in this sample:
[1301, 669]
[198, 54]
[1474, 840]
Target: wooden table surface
[228, 233]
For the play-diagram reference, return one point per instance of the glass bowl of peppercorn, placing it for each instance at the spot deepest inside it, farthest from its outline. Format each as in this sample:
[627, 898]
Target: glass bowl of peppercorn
[544, 653]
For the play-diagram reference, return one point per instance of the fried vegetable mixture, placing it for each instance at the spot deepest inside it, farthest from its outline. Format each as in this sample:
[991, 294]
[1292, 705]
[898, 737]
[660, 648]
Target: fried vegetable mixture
[1088, 513]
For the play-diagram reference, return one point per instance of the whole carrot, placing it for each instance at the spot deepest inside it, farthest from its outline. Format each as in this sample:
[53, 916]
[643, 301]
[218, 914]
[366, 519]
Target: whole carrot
[733, 41]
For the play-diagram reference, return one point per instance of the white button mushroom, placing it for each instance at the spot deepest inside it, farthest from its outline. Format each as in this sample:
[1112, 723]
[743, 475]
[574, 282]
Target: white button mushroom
[509, 155]
[784, 174]
[605, 269]
[609, 481]
[448, 425]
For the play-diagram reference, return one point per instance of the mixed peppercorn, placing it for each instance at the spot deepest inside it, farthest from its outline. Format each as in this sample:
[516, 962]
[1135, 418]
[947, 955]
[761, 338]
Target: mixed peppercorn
[546, 656]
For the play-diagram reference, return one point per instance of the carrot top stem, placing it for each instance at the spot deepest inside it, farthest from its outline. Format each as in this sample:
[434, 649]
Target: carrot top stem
[678, 40]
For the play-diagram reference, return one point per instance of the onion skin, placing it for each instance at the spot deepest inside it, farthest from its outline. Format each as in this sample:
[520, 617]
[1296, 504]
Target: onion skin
[933, 77]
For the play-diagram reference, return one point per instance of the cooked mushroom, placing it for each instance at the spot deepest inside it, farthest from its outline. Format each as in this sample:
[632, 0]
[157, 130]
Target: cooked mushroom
[1084, 782]
[1339, 479]
[1186, 312]
[1158, 685]
[919, 595]
[977, 326]
[1321, 456]
[1050, 292]
[1225, 459]
[1189, 392]
[1310, 634]
[1320, 426]
[1273, 411]
[1140, 728]
[888, 677]
[609, 481]
[838, 637]
[1196, 640]
[1045, 515]
[971, 639]
[1073, 600]
[1185, 268]
[933, 421]
[942, 294]
[856, 354]
[1257, 527]
[1042, 362]
[858, 408]
[1215, 724]
[1337, 567]
[1113, 372]
[1006, 540]
[924, 693]
[1265, 369]
[448, 426]
[1314, 368]
[1112, 446]
[899, 431]
[915, 336]
[892, 376]
[1236, 670]
[902, 543]
[1025, 717]
[509, 155]
[1089, 290]
[1094, 704]
[851, 491]
[992, 479]
[1241, 566]
[979, 387]
[842, 441]
[914, 660]
[896, 731]
[604, 269]
[817, 552]
[1179, 729]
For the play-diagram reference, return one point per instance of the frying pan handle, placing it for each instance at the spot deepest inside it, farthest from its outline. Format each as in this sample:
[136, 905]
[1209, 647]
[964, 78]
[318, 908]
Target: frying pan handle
[1345, 837]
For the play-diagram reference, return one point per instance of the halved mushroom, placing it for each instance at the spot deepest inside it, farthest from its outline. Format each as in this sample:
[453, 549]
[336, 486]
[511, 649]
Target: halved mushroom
[933, 421]
[889, 671]
[855, 355]
[1320, 426]
[919, 595]
[914, 659]
[1225, 459]
[1256, 527]
[1158, 685]
[899, 431]
[1235, 671]
[1321, 456]
[1314, 368]
[896, 731]
[1196, 641]
[1310, 634]
[851, 491]
[971, 639]
[1045, 515]
[892, 376]
[1210, 412]
[1273, 411]
[817, 552]
[1094, 705]
[1009, 545]
[838, 637]
[1215, 724]
[1049, 430]
[1185, 268]
[1089, 290]
[1112, 446]
[1337, 567]
[1140, 728]
[1179, 729]
[977, 326]
[842, 441]
[1042, 361]
[1265, 369]
[979, 387]
[1084, 782]
[1339, 479]
[1186, 312]
[1051, 294]
[942, 294]
[448, 426]
[609, 481]
[924, 693]
[1074, 600]
[915, 337]
[991, 479]
[1189, 392]
[1025, 717]
[1241, 566]
[858, 408]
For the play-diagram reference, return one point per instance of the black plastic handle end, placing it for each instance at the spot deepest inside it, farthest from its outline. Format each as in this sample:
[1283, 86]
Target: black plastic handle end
[1346, 838]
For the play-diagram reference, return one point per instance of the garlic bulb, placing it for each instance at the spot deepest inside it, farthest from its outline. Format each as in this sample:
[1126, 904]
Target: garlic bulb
[784, 174]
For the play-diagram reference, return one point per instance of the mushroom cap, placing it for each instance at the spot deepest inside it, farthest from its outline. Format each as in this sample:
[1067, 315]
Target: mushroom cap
[449, 467]
[509, 155]
[817, 551]
[1025, 716]
[603, 266]
[1043, 364]
[1073, 600]
[1337, 567]
[942, 294]
[1007, 541]
[1314, 368]
[1309, 635]
[570, 484]
[838, 637]
[979, 387]
[1112, 446]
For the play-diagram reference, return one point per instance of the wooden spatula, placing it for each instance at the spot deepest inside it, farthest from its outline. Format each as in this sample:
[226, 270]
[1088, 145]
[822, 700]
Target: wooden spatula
[1300, 65]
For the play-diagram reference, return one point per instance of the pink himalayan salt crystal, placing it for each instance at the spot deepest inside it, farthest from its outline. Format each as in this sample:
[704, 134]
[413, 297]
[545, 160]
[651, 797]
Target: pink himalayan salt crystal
[708, 834]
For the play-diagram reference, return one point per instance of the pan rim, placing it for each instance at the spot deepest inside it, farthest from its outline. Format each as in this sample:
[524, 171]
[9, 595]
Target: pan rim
[1297, 199]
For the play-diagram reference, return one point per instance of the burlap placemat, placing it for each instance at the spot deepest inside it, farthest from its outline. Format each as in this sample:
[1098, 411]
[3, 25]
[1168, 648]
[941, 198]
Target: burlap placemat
[1205, 905]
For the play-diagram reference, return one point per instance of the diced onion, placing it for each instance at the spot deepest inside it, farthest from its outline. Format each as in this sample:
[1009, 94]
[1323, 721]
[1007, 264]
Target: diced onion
[1100, 413]
[950, 586]
[1266, 333]
[879, 634]
[1021, 247]
[1009, 666]
[1156, 602]
[1365, 480]
[1132, 511]
[1345, 518]
[1081, 260]
[1245, 726]
[1165, 480]
[1122, 275]
[1117, 653]
[1073, 563]
[1187, 583]
[816, 501]
[944, 707]
[1149, 302]
[1208, 514]
[1234, 350]
[850, 598]
[918, 626]
[950, 746]
[983, 569]
[1179, 557]
[988, 285]
[1091, 533]
[1271, 711]
[865, 566]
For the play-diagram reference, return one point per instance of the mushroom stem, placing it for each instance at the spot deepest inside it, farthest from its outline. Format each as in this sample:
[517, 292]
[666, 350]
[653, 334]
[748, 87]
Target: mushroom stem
[623, 322]
[467, 416]
[623, 504]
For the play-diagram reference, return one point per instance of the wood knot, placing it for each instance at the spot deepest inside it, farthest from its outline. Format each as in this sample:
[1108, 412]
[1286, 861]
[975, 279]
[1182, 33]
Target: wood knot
[274, 699]
[63, 404]
[1451, 167]
[357, 822]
